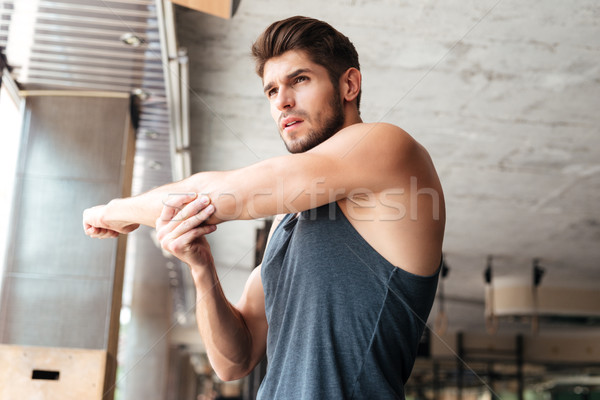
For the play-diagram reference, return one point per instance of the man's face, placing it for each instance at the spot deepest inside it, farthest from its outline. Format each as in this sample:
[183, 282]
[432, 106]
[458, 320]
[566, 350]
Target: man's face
[304, 103]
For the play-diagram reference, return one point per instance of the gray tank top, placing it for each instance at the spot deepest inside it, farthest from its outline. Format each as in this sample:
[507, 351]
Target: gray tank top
[344, 323]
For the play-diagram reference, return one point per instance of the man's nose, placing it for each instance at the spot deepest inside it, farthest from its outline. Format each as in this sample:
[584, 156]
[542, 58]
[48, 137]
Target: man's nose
[285, 99]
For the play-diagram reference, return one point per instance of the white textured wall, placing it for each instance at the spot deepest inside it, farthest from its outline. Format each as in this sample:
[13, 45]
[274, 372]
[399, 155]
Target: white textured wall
[504, 94]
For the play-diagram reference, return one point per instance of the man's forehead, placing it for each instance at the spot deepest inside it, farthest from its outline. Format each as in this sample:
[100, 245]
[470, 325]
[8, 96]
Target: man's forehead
[286, 63]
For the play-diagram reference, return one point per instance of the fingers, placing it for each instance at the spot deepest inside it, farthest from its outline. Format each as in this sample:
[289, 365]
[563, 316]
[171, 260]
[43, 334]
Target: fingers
[172, 205]
[100, 233]
[91, 222]
[183, 239]
[177, 246]
[167, 213]
[189, 217]
[198, 218]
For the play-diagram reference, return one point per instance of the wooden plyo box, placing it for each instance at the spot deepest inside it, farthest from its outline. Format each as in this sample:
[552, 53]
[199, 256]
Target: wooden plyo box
[46, 373]
[220, 8]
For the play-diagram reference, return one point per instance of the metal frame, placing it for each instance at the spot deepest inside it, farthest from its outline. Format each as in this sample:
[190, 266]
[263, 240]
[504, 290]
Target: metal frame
[176, 84]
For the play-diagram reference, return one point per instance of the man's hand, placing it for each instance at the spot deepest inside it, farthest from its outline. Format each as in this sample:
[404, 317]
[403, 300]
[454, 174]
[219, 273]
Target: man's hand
[181, 228]
[97, 225]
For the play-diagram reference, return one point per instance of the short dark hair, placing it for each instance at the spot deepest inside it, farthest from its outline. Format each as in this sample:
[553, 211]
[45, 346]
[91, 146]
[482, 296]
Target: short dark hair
[322, 43]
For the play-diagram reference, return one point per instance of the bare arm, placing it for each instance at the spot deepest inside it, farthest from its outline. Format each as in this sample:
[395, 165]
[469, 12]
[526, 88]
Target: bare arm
[234, 336]
[360, 157]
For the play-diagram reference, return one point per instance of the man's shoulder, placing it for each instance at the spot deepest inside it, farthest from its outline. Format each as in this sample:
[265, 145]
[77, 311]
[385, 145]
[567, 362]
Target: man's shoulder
[373, 130]
[364, 139]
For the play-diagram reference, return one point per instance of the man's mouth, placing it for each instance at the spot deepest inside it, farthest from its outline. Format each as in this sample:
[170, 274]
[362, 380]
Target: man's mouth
[290, 122]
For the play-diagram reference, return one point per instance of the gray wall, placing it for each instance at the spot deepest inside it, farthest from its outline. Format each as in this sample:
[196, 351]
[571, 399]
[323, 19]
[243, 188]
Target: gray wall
[61, 288]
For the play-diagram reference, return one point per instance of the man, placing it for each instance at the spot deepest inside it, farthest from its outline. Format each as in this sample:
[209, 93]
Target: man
[349, 275]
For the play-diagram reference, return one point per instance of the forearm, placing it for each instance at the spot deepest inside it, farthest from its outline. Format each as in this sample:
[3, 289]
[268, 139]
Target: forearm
[145, 208]
[273, 186]
[279, 185]
[224, 333]
[181, 230]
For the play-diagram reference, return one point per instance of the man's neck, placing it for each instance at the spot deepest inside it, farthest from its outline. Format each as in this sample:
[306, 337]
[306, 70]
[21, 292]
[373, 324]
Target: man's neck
[352, 117]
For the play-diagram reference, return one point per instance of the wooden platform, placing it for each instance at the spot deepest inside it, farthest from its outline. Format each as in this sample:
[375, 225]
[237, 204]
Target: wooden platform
[40, 373]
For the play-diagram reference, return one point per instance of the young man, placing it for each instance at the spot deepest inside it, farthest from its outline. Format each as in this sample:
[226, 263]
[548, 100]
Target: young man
[350, 272]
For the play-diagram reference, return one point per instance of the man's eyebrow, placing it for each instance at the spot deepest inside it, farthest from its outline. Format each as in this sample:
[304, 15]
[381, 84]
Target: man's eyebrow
[298, 72]
[288, 77]
[268, 87]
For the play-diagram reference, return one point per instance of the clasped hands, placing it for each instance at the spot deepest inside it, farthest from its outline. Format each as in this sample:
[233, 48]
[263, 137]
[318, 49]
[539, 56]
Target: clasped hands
[182, 225]
[180, 228]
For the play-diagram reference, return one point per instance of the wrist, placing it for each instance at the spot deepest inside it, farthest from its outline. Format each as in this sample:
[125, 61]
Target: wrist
[122, 213]
[205, 277]
[112, 210]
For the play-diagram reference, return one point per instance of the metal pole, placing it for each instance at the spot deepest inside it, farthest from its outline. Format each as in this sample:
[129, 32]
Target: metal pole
[520, 383]
[492, 381]
[436, 380]
[459, 365]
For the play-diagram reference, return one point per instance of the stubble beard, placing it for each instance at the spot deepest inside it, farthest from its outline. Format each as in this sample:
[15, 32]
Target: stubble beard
[318, 135]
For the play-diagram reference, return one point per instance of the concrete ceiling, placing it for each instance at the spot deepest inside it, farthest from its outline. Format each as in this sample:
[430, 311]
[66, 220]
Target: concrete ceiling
[504, 95]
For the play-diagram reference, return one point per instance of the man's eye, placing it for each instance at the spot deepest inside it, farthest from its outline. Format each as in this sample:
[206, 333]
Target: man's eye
[301, 79]
[271, 92]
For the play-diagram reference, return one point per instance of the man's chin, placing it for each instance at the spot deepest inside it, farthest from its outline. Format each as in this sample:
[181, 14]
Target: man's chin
[302, 143]
[298, 146]
[295, 148]
[292, 145]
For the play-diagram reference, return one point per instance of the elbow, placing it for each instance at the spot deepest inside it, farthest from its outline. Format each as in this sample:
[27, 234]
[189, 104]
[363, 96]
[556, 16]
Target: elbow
[229, 377]
[230, 370]
[232, 374]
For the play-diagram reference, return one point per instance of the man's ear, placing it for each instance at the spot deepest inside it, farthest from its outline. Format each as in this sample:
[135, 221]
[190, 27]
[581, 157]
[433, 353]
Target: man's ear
[350, 84]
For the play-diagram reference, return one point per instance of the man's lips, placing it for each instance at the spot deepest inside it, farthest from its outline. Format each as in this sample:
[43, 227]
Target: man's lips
[289, 122]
